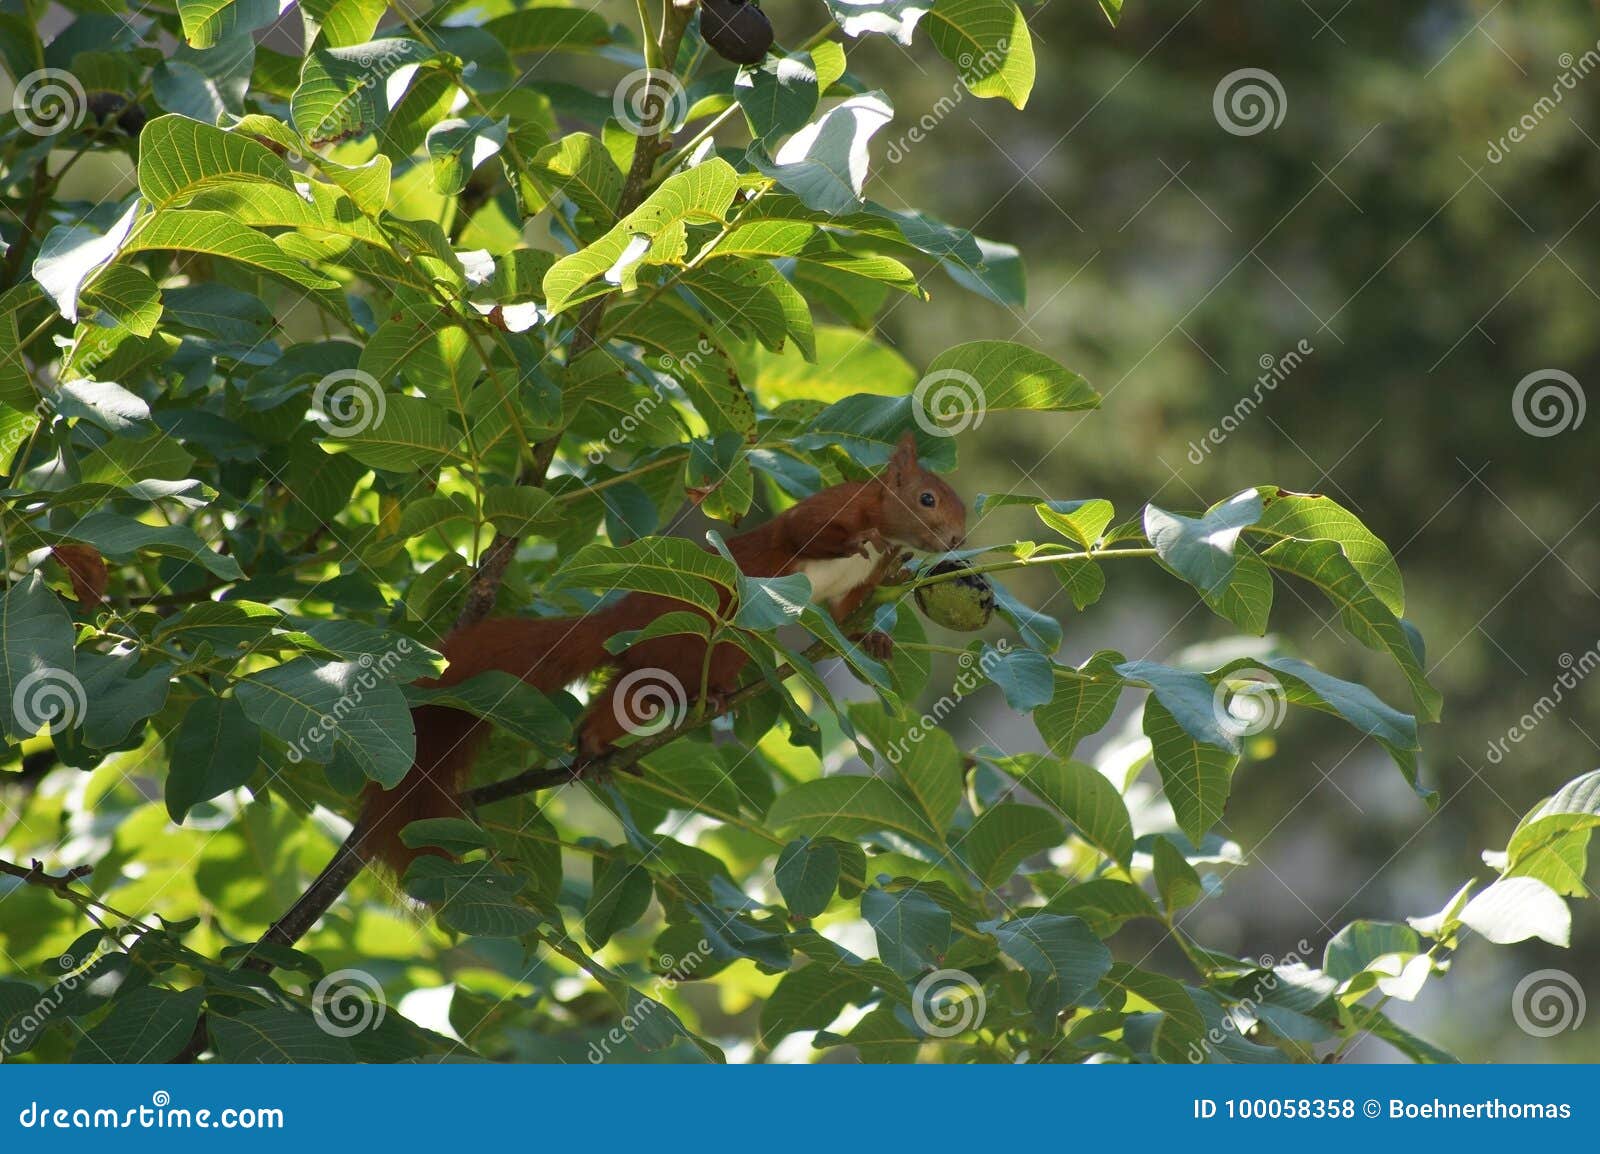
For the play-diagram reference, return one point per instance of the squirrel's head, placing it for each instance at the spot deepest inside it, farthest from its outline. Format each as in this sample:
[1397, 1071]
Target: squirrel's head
[920, 511]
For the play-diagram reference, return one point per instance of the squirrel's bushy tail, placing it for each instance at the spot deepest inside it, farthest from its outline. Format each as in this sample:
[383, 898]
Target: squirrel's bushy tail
[547, 653]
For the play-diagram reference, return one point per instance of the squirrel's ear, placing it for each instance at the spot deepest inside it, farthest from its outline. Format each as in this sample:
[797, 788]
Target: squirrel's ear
[905, 454]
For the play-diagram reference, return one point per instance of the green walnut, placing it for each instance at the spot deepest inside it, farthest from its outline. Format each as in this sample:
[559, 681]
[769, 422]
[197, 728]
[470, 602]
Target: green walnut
[963, 603]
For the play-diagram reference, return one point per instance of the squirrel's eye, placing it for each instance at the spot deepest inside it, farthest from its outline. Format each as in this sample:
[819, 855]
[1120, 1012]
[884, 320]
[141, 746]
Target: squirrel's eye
[928, 499]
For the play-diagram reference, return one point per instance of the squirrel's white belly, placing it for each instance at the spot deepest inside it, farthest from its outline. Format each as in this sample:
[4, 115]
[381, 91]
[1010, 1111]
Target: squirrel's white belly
[833, 577]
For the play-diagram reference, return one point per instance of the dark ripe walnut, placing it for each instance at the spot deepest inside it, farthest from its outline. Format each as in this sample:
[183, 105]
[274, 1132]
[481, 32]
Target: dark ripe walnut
[115, 111]
[963, 604]
[736, 30]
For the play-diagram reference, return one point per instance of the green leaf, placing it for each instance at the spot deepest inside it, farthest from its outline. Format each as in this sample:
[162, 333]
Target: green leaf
[895, 18]
[778, 95]
[669, 566]
[147, 1026]
[1190, 699]
[1313, 517]
[1196, 777]
[1001, 375]
[549, 28]
[1325, 564]
[216, 748]
[1359, 944]
[1038, 630]
[809, 998]
[472, 897]
[1182, 1025]
[118, 699]
[405, 433]
[221, 624]
[458, 147]
[179, 158]
[320, 708]
[1395, 731]
[1004, 836]
[1026, 677]
[121, 538]
[1081, 705]
[619, 895]
[454, 834]
[1205, 552]
[279, 1036]
[989, 43]
[1081, 794]
[506, 702]
[925, 760]
[221, 235]
[1063, 959]
[654, 233]
[208, 22]
[807, 873]
[37, 680]
[579, 167]
[1551, 843]
[1514, 909]
[848, 807]
[1176, 880]
[70, 255]
[912, 929]
[345, 92]
[1105, 903]
[825, 163]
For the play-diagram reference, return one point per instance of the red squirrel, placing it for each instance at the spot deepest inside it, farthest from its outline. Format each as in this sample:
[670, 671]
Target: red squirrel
[845, 539]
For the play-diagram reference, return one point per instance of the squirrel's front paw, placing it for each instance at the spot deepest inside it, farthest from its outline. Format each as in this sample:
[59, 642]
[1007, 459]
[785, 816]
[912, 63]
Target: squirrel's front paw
[878, 645]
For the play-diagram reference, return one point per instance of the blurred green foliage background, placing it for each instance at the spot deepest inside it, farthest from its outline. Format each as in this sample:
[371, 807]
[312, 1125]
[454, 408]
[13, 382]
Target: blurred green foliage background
[1166, 257]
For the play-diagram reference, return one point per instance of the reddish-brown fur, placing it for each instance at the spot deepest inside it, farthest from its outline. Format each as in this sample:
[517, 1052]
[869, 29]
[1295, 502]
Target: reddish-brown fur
[885, 514]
